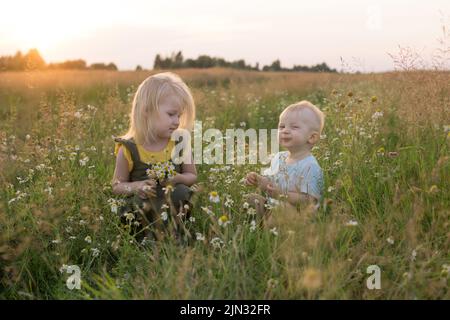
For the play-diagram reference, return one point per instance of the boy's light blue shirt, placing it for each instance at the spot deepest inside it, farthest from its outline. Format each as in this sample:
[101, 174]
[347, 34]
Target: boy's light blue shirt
[304, 175]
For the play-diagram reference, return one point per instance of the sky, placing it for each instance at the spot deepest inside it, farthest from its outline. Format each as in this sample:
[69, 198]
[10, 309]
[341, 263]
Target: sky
[132, 32]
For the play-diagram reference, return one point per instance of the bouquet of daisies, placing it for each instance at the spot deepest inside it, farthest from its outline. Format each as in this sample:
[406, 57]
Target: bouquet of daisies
[161, 171]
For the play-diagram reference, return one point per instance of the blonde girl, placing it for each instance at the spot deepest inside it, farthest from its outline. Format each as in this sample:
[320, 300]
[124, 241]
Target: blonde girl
[145, 170]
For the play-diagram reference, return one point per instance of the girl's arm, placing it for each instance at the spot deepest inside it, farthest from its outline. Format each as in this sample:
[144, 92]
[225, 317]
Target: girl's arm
[188, 177]
[121, 181]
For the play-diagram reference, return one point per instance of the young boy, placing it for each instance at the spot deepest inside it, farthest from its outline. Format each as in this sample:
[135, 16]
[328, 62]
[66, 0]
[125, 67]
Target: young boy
[294, 175]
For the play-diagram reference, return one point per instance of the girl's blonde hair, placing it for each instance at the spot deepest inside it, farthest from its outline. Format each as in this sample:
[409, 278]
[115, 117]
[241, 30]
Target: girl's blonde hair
[146, 105]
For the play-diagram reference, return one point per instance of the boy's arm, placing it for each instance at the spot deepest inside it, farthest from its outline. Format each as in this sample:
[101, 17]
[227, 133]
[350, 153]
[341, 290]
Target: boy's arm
[293, 197]
[296, 198]
[262, 182]
[308, 191]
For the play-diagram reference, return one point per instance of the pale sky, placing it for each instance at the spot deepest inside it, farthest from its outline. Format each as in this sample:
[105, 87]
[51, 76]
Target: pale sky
[132, 32]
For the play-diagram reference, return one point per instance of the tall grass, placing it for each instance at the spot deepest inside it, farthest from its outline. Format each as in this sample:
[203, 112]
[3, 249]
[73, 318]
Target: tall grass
[384, 152]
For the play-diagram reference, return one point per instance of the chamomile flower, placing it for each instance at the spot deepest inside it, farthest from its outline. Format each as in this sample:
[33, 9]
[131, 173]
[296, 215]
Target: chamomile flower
[413, 255]
[377, 115]
[223, 221]
[274, 231]
[214, 197]
[351, 223]
[252, 225]
[95, 252]
[216, 242]
[228, 202]
[251, 211]
[129, 216]
[199, 236]
[162, 170]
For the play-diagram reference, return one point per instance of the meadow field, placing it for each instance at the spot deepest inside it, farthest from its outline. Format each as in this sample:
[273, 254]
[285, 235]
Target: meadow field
[384, 152]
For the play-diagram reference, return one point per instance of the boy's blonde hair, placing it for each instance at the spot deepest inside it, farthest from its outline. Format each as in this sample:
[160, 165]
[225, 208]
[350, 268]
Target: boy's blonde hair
[302, 105]
[146, 105]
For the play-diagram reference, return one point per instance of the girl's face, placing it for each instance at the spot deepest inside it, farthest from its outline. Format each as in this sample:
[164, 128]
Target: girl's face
[168, 117]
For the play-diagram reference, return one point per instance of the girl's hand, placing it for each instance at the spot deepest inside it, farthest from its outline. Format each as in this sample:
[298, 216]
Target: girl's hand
[273, 191]
[146, 188]
[173, 181]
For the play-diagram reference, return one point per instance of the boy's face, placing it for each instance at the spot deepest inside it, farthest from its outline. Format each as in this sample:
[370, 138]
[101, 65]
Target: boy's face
[294, 130]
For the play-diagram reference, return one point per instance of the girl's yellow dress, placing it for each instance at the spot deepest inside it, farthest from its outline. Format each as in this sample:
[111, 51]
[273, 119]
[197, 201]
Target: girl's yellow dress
[140, 161]
[145, 155]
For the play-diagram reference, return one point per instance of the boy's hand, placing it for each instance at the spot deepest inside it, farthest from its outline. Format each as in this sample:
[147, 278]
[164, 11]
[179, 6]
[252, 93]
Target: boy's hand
[273, 191]
[146, 188]
[251, 179]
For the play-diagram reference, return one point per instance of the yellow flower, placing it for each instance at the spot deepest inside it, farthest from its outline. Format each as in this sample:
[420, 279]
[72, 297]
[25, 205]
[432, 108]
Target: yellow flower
[380, 150]
[374, 99]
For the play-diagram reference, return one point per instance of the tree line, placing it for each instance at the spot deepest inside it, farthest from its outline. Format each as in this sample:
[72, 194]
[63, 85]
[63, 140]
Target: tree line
[177, 61]
[32, 60]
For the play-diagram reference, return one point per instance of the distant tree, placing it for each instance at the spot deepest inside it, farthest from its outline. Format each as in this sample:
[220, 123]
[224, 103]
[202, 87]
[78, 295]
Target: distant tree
[17, 62]
[157, 62]
[69, 64]
[178, 60]
[190, 63]
[138, 68]
[97, 66]
[239, 64]
[33, 60]
[13, 63]
[102, 66]
[220, 62]
[205, 61]
[323, 67]
[111, 66]
[275, 66]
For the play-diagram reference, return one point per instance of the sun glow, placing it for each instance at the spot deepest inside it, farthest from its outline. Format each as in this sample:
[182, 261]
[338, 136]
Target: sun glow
[46, 24]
